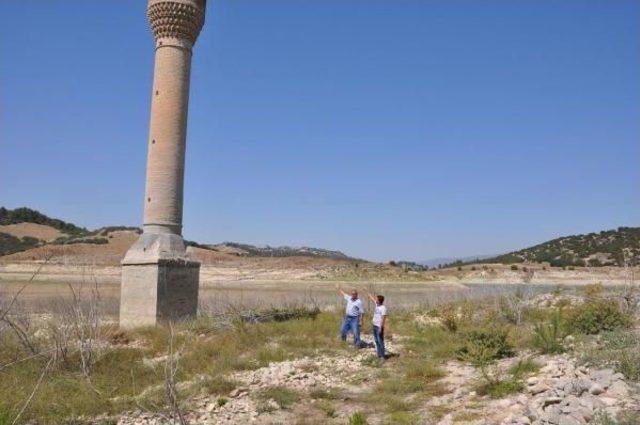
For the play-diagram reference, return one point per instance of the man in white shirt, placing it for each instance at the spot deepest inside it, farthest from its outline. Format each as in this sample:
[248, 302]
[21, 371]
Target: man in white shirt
[353, 316]
[379, 322]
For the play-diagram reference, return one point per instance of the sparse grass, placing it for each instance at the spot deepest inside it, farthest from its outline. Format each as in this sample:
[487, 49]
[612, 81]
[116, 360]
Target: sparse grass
[328, 408]
[371, 361]
[422, 370]
[413, 375]
[466, 416]
[120, 380]
[524, 367]
[324, 393]
[435, 389]
[618, 349]
[496, 384]
[123, 377]
[432, 342]
[500, 387]
[623, 418]
[399, 385]
[359, 378]
[438, 411]
[283, 396]
[357, 418]
[218, 385]
[5, 416]
[396, 404]
[402, 418]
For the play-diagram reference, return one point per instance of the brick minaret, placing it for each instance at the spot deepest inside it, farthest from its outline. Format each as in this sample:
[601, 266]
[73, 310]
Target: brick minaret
[159, 280]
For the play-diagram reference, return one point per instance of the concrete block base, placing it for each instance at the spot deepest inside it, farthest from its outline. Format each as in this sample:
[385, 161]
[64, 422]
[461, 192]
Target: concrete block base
[161, 292]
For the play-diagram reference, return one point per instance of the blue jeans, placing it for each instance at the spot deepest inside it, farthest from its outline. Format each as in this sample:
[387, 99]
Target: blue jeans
[378, 337]
[351, 323]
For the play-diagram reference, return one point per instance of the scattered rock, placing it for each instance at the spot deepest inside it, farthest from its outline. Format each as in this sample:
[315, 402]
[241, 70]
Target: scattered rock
[596, 389]
[538, 388]
[560, 393]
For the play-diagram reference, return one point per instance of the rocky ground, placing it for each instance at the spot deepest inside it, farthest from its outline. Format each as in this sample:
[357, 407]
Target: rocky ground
[560, 393]
[344, 377]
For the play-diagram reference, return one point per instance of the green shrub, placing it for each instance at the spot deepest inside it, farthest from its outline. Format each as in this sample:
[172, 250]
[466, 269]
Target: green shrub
[483, 346]
[498, 385]
[22, 215]
[598, 315]
[104, 231]
[10, 244]
[63, 240]
[449, 319]
[548, 336]
[593, 290]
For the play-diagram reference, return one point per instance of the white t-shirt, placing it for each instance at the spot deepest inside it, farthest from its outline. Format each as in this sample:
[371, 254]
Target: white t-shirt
[354, 307]
[381, 310]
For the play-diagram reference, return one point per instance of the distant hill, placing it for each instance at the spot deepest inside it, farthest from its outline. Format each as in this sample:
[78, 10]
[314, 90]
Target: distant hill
[24, 229]
[606, 248]
[435, 262]
[248, 250]
[27, 215]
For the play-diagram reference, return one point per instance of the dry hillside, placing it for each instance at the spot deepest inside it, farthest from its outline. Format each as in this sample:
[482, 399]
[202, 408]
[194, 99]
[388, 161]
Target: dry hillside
[116, 242]
[109, 253]
[32, 230]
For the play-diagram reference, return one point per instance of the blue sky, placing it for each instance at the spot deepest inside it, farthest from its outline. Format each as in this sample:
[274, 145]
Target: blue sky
[395, 129]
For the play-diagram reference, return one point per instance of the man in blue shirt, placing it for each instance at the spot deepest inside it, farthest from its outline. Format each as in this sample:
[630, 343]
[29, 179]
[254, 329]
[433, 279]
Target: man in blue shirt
[353, 316]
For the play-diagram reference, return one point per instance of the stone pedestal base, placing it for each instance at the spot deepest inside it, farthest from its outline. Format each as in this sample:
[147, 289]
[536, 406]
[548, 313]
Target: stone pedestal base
[159, 282]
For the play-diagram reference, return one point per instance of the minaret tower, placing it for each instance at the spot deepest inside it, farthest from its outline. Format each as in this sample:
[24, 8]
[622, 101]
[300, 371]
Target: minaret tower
[159, 280]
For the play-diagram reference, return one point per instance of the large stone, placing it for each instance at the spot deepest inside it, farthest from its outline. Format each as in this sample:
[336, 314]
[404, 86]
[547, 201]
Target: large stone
[569, 420]
[604, 377]
[551, 416]
[537, 388]
[159, 282]
[596, 389]
[618, 390]
[548, 401]
[580, 386]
